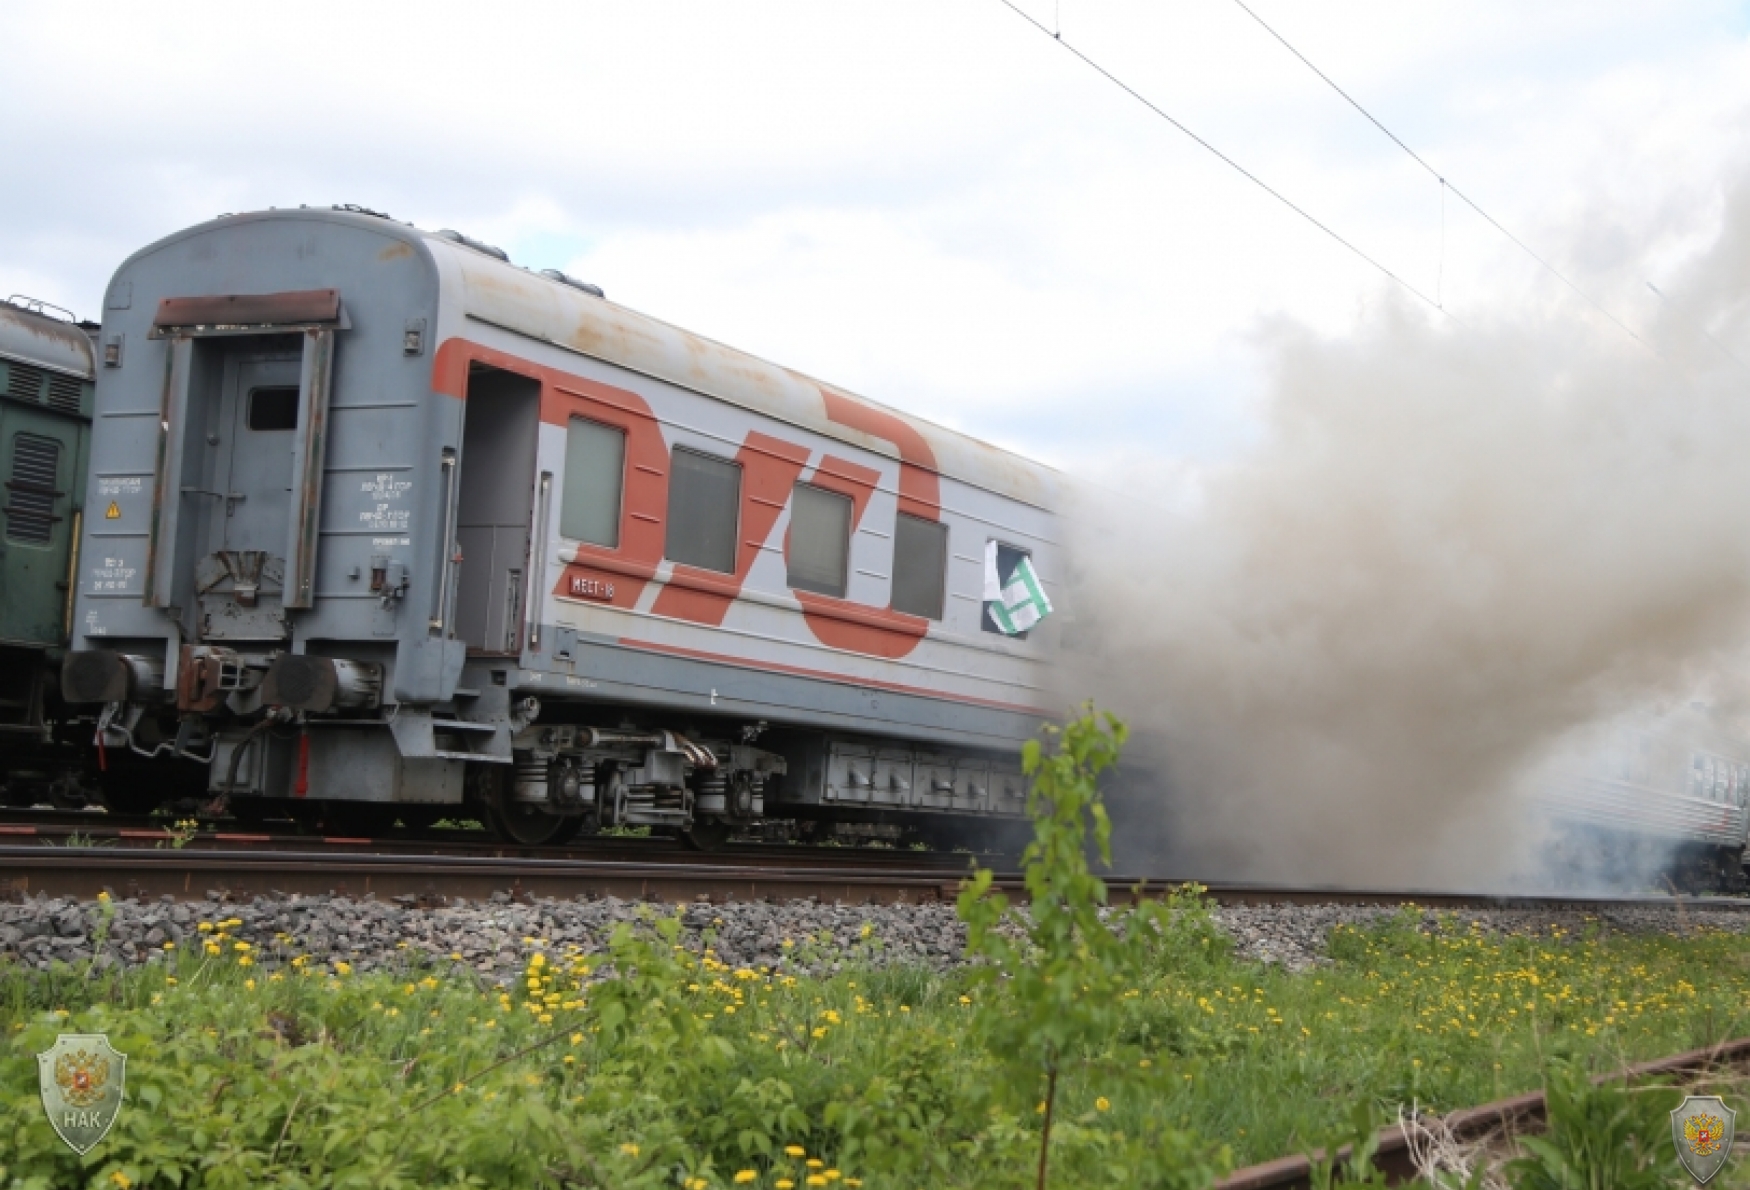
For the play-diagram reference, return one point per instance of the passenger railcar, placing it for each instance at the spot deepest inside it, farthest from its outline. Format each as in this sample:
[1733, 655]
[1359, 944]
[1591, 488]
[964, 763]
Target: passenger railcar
[45, 427]
[1658, 798]
[394, 526]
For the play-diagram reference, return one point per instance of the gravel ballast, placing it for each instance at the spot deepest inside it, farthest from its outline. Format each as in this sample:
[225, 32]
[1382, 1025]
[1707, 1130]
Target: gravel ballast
[495, 938]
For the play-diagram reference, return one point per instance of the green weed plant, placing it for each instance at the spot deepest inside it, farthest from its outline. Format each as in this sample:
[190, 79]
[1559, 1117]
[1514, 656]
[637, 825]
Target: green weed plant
[1065, 968]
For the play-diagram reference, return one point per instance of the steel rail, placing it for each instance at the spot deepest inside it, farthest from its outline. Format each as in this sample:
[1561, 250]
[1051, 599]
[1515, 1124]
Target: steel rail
[668, 876]
[191, 873]
[1520, 1113]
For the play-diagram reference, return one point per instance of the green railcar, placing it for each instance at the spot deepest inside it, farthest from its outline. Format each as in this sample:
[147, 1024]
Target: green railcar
[46, 384]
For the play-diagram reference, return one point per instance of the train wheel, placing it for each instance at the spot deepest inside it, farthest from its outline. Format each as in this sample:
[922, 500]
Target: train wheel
[706, 836]
[532, 826]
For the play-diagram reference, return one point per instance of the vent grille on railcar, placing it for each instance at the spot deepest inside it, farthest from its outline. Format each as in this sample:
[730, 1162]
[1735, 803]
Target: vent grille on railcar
[23, 382]
[64, 393]
[30, 505]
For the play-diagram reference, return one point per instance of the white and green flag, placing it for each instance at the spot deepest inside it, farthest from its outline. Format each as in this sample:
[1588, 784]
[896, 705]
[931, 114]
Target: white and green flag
[1018, 602]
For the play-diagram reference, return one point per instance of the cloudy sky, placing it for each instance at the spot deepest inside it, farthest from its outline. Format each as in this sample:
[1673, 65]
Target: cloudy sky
[930, 203]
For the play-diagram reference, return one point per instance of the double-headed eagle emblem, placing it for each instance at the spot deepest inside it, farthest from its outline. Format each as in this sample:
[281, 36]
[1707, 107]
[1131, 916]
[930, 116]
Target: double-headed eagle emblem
[1702, 1131]
[81, 1078]
[81, 1075]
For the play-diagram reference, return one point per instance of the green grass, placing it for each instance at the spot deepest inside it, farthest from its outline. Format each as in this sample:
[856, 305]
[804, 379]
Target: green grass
[253, 1069]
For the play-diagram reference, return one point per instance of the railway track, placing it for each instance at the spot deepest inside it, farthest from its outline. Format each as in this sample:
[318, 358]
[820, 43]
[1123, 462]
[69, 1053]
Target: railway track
[145, 862]
[1504, 1117]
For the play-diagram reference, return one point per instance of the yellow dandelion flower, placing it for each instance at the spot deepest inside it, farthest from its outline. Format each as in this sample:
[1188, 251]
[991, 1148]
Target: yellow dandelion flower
[629, 1149]
[744, 1176]
[795, 1151]
[814, 1163]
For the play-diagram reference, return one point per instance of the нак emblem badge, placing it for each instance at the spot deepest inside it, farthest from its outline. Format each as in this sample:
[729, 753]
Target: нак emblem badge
[1702, 1130]
[82, 1077]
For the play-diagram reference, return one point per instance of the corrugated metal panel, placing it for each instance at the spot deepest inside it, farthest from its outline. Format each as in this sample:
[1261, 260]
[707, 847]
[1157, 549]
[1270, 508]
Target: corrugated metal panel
[541, 308]
[1641, 809]
[31, 492]
[24, 382]
[65, 393]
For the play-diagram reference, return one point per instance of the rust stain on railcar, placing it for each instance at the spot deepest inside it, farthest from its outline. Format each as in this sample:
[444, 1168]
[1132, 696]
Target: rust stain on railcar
[710, 361]
[47, 338]
[607, 336]
[544, 310]
[396, 250]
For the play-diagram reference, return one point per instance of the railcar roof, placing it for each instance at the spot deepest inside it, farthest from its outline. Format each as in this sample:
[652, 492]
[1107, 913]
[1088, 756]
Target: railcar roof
[47, 342]
[528, 304]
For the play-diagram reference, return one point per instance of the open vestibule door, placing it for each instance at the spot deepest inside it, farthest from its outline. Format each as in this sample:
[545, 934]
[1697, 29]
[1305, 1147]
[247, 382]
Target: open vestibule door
[494, 501]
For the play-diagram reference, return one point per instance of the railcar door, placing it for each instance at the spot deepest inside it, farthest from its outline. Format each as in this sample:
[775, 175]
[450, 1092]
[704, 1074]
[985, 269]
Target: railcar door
[494, 502]
[241, 577]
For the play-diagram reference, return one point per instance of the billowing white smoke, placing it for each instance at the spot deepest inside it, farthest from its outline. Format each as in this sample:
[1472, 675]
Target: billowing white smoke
[1450, 547]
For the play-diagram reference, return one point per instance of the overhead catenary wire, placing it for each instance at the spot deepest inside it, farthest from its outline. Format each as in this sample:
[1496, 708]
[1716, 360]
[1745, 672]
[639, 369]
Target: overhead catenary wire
[1658, 293]
[1229, 161]
[1437, 175]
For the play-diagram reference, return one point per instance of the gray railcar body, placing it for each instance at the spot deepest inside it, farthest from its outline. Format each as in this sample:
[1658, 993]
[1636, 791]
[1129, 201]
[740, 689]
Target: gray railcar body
[339, 449]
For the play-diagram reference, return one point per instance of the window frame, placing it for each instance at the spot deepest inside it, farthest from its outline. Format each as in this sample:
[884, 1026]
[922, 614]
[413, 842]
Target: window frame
[277, 391]
[669, 517]
[565, 475]
[942, 532]
[850, 509]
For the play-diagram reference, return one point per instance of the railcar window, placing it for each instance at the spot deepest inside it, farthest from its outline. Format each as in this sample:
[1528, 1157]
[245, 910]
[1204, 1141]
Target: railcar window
[30, 493]
[704, 510]
[595, 477]
[820, 540]
[1008, 557]
[273, 408]
[920, 566]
